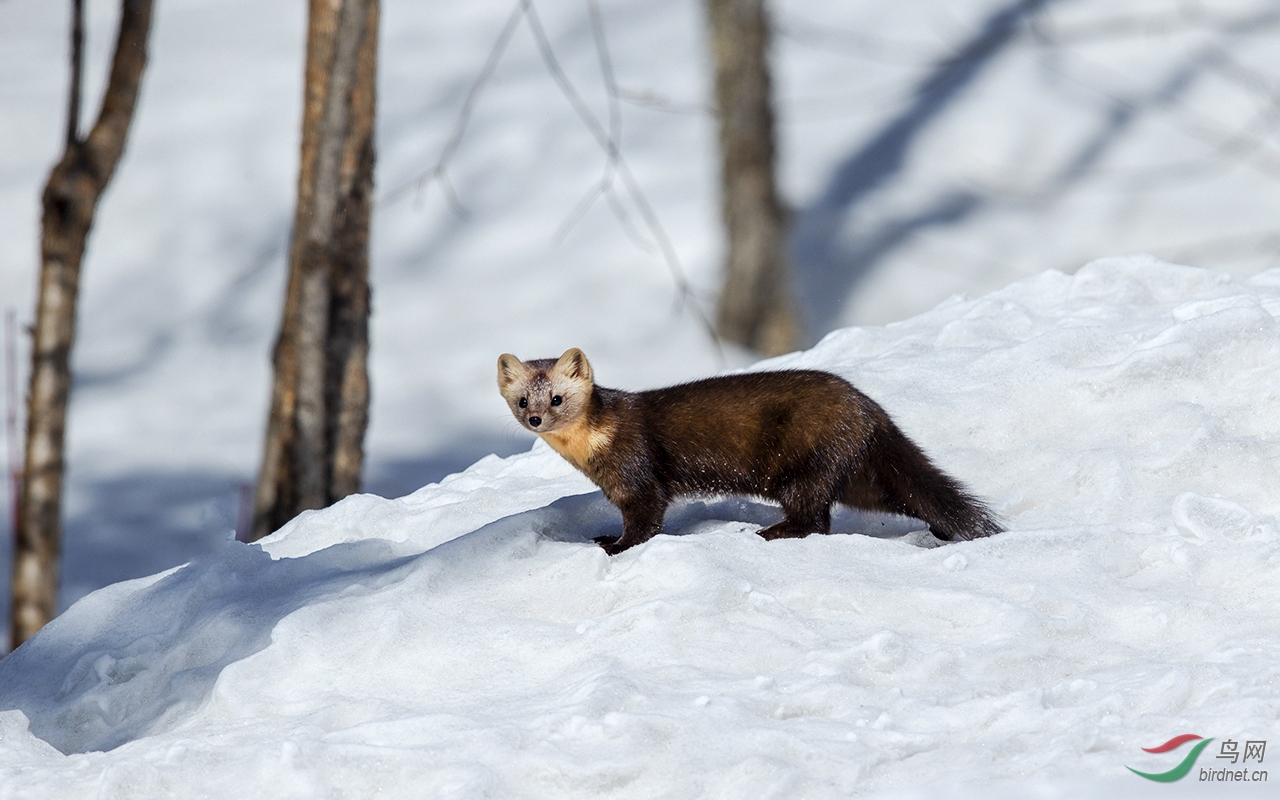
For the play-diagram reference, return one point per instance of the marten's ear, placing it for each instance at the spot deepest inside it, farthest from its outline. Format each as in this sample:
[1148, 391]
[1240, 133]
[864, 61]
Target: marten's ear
[510, 370]
[574, 364]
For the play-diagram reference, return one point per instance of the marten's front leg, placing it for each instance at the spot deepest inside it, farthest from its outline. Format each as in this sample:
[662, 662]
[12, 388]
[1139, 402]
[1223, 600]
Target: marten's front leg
[641, 521]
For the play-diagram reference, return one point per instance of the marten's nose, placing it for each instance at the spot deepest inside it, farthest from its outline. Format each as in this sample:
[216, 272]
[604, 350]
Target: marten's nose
[535, 421]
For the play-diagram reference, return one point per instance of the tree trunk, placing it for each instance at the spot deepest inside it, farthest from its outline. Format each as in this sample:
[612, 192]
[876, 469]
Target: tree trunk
[69, 202]
[319, 403]
[757, 308]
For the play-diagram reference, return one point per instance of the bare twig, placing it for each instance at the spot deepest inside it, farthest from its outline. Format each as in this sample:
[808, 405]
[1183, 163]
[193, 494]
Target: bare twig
[604, 188]
[438, 172]
[1189, 18]
[1247, 78]
[1243, 146]
[77, 72]
[615, 169]
[634, 192]
[606, 72]
[645, 98]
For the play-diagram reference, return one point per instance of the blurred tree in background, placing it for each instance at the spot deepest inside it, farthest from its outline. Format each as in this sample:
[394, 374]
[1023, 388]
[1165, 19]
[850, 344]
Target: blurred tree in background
[69, 203]
[320, 397]
[757, 306]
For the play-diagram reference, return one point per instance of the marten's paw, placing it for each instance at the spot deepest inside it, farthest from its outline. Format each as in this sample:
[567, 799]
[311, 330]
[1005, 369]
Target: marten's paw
[783, 530]
[609, 544]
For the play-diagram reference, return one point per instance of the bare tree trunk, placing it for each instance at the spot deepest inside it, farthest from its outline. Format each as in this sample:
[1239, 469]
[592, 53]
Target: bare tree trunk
[757, 308]
[320, 398]
[69, 202]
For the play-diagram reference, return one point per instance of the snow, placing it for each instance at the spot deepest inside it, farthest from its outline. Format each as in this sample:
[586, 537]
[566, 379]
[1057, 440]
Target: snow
[465, 639]
[469, 640]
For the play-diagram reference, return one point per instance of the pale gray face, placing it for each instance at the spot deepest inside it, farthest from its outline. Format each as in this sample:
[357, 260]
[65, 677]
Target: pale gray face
[537, 405]
[544, 396]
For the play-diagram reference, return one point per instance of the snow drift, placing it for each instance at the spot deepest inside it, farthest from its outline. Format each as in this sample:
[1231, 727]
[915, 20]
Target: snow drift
[469, 641]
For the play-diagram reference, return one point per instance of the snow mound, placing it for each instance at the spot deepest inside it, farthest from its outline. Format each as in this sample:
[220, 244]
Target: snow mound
[469, 641]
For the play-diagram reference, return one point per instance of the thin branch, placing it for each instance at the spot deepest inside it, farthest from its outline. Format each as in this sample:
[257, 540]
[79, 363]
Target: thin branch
[645, 98]
[634, 192]
[77, 73]
[604, 188]
[1187, 19]
[562, 80]
[438, 172]
[584, 205]
[1243, 146]
[615, 168]
[606, 72]
[1245, 77]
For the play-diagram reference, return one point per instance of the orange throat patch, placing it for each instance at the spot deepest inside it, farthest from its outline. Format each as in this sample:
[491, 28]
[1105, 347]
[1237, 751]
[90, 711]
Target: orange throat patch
[579, 443]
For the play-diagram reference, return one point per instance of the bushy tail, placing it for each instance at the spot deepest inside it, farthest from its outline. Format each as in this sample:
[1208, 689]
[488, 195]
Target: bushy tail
[903, 480]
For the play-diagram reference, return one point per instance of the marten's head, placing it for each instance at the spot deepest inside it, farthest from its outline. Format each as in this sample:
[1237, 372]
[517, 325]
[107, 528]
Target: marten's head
[547, 394]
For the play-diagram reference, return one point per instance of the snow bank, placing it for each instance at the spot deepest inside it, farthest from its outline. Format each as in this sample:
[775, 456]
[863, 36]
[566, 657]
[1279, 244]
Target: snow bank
[469, 641]
[912, 175]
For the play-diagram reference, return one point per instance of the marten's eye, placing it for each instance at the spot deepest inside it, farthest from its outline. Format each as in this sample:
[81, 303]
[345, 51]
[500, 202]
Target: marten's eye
[524, 402]
[557, 400]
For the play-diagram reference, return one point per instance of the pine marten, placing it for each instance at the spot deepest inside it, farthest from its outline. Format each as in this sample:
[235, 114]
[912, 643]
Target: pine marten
[803, 438]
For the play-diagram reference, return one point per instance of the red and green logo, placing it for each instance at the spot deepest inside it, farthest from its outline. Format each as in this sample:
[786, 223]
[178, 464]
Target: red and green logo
[1180, 771]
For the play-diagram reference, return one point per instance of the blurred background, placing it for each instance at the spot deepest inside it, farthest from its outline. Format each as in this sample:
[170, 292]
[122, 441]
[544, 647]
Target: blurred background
[924, 150]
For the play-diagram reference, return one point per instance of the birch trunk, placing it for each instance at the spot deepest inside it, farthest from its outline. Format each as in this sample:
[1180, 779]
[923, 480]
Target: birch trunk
[69, 202]
[319, 404]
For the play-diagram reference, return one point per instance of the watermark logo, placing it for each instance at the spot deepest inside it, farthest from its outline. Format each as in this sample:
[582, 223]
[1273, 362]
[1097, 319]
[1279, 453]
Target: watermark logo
[1179, 772]
[1228, 750]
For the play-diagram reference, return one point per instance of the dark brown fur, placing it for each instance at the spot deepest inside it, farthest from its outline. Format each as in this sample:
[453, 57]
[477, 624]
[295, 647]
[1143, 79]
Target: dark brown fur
[803, 438]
